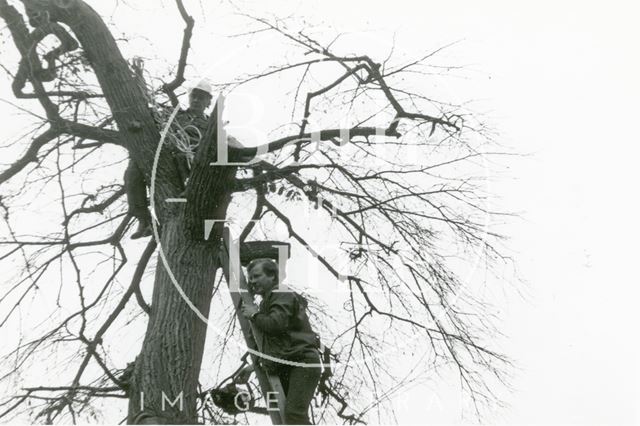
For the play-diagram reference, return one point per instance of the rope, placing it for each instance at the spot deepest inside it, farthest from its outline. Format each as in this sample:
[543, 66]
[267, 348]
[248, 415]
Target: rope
[183, 139]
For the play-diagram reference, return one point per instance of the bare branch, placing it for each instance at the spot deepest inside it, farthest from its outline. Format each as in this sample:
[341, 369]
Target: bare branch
[169, 88]
[91, 132]
[31, 155]
[96, 208]
[23, 42]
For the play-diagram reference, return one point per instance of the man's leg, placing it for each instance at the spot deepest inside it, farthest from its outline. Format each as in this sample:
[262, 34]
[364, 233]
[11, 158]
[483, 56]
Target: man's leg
[302, 386]
[284, 372]
[136, 191]
[183, 167]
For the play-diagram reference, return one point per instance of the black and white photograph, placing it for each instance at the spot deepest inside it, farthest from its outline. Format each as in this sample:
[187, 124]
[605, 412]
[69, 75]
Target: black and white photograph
[256, 212]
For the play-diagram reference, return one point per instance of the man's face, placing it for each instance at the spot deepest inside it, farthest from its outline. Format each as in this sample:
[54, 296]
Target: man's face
[259, 282]
[199, 100]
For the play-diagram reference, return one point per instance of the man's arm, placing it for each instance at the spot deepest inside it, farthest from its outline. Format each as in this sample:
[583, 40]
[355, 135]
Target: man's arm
[234, 151]
[276, 320]
[233, 142]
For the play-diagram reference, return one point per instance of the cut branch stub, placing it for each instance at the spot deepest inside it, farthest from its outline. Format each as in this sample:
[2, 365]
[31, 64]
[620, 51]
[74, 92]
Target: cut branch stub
[252, 250]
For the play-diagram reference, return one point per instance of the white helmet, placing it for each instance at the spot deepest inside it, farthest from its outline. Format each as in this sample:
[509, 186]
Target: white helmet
[205, 86]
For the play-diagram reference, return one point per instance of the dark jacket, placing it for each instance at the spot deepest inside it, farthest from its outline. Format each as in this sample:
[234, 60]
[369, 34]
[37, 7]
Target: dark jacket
[194, 125]
[192, 128]
[285, 327]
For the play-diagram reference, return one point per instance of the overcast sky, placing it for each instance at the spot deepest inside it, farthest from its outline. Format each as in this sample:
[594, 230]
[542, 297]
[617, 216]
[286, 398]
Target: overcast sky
[560, 82]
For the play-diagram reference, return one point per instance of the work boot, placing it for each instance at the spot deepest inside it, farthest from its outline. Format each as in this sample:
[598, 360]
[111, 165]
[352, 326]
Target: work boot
[143, 230]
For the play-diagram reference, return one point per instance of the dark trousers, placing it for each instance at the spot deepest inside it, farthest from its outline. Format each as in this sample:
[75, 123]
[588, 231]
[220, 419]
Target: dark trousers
[136, 190]
[299, 384]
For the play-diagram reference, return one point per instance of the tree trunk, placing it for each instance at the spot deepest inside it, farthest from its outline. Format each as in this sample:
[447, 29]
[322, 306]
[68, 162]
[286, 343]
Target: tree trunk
[166, 371]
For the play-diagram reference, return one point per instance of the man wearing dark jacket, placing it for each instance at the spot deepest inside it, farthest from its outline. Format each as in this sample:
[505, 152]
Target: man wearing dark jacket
[287, 335]
[193, 122]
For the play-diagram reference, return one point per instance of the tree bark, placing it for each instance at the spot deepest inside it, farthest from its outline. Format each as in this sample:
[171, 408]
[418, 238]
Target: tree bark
[166, 371]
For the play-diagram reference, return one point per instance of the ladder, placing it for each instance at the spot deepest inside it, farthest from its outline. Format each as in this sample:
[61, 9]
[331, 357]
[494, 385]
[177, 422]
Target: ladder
[231, 261]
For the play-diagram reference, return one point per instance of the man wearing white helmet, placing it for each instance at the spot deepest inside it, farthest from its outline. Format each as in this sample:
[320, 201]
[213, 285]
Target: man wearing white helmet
[200, 97]
[193, 119]
[191, 123]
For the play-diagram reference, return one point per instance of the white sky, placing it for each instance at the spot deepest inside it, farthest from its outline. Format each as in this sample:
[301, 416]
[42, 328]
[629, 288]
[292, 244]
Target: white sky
[560, 81]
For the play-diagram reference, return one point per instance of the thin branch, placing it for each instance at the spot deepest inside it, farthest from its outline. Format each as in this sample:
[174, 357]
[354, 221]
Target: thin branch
[31, 155]
[91, 132]
[170, 87]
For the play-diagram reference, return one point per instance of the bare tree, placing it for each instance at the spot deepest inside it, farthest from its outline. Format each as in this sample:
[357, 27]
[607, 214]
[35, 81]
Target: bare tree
[407, 215]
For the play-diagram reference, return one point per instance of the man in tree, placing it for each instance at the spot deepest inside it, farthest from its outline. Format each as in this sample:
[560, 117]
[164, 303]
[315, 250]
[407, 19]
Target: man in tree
[287, 335]
[191, 125]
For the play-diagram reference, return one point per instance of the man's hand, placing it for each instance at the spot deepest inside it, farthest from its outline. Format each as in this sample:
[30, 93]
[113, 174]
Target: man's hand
[249, 309]
[242, 376]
